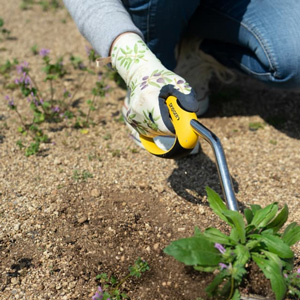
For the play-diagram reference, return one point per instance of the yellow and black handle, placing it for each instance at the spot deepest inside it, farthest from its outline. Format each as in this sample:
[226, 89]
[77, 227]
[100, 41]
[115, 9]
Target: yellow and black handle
[186, 138]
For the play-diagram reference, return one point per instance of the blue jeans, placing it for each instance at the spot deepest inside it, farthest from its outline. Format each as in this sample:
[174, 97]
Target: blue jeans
[259, 37]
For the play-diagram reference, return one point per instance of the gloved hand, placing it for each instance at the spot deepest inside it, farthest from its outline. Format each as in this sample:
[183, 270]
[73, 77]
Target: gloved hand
[150, 84]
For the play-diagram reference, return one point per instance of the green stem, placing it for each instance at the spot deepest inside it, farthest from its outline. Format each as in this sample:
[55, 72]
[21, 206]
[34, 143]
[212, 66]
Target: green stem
[51, 90]
[122, 281]
[23, 124]
[231, 288]
[89, 111]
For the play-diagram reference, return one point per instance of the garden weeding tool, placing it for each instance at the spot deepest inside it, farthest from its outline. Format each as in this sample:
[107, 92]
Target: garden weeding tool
[187, 130]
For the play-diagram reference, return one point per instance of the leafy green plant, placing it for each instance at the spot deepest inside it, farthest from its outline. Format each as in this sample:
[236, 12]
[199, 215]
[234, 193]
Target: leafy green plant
[8, 66]
[112, 286]
[254, 238]
[56, 104]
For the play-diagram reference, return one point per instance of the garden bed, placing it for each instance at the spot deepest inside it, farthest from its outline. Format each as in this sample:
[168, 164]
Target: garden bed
[91, 202]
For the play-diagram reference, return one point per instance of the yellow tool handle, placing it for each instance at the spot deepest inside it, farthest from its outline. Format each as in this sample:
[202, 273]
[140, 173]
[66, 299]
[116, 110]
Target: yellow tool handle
[185, 137]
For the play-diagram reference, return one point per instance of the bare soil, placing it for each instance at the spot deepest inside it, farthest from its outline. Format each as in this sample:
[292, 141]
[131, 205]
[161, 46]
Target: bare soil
[58, 230]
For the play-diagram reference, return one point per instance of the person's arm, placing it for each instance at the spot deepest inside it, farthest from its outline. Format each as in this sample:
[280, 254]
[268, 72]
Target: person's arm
[101, 21]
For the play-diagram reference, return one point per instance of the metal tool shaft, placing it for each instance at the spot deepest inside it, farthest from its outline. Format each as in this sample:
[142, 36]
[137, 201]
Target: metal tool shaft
[223, 171]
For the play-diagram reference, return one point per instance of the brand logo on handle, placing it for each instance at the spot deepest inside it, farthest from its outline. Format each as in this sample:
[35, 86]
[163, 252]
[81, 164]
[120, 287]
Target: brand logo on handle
[174, 112]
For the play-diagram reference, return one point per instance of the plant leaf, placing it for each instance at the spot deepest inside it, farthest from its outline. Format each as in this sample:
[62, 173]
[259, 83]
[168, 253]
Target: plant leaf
[280, 219]
[236, 295]
[255, 208]
[273, 272]
[292, 234]
[211, 288]
[234, 235]
[276, 245]
[263, 216]
[205, 269]
[248, 215]
[216, 203]
[242, 253]
[236, 220]
[217, 236]
[194, 251]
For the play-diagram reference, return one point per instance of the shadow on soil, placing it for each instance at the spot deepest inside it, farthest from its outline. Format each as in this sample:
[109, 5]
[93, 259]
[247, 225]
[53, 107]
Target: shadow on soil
[248, 97]
[193, 174]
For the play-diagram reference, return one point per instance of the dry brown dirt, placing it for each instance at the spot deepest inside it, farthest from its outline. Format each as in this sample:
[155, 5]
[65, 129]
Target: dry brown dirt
[57, 232]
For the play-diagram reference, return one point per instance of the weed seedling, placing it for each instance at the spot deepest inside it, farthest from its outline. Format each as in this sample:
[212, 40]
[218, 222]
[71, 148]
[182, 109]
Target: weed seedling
[110, 288]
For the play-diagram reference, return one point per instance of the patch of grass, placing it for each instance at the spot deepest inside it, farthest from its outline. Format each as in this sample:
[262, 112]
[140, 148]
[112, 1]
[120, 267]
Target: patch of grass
[81, 175]
[253, 126]
[116, 153]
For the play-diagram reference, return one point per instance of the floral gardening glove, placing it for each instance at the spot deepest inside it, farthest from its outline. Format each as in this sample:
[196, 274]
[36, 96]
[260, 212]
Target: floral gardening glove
[150, 84]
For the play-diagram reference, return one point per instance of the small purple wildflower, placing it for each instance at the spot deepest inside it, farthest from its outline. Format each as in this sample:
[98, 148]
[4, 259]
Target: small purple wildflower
[180, 81]
[44, 52]
[10, 100]
[285, 275]
[220, 248]
[23, 67]
[24, 79]
[66, 93]
[223, 266]
[55, 109]
[97, 296]
[298, 271]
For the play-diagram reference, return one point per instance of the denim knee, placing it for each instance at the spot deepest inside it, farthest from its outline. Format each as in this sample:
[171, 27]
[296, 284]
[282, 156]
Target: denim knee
[286, 73]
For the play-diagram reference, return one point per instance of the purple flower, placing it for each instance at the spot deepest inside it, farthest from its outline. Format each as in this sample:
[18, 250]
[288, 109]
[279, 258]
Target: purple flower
[10, 100]
[156, 74]
[55, 109]
[285, 275]
[144, 86]
[223, 266]
[98, 295]
[180, 81]
[24, 79]
[298, 271]
[220, 248]
[145, 77]
[23, 67]
[44, 52]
